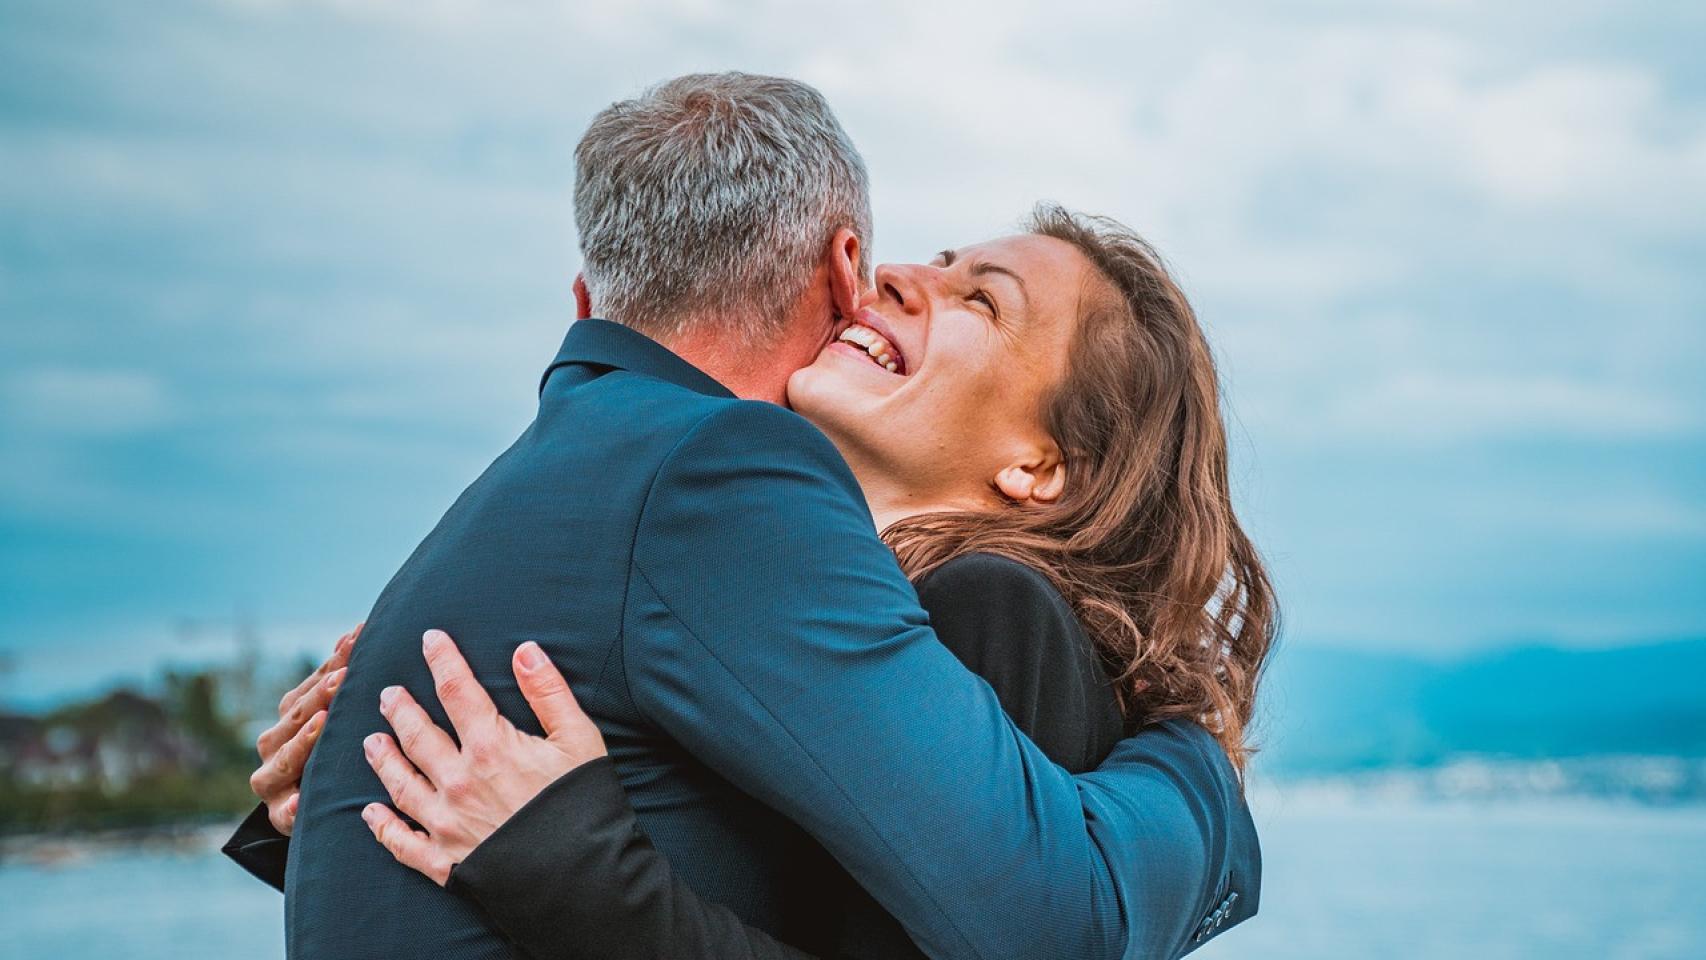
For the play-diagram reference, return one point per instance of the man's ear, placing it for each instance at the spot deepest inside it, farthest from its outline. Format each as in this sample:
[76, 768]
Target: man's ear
[846, 284]
[583, 300]
[1038, 479]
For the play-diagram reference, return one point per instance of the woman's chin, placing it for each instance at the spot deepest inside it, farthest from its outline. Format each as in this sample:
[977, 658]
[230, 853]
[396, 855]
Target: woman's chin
[811, 390]
[827, 393]
[843, 373]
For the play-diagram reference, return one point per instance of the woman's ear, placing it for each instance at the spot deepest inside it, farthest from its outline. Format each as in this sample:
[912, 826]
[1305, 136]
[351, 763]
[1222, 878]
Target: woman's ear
[846, 284]
[1039, 480]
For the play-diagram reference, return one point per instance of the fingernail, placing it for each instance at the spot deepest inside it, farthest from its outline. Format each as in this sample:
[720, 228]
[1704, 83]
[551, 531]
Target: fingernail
[370, 813]
[336, 678]
[532, 658]
[432, 638]
[315, 724]
[371, 745]
[388, 697]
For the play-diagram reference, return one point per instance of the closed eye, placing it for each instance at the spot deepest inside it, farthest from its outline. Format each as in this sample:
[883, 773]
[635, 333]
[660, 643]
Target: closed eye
[983, 297]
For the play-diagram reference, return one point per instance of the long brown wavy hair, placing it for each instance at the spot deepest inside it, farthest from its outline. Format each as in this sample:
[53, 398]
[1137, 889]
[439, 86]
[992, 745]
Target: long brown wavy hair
[1143, 542]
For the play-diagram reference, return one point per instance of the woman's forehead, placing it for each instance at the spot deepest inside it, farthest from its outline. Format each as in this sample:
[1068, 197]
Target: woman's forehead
[1033, 256]
[1054, 271]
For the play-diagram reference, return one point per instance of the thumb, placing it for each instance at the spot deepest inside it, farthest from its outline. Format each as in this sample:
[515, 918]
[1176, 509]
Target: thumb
[548, 693]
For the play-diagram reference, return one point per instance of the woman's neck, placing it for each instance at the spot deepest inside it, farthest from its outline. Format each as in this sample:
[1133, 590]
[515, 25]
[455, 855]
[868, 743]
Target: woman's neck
[892, 500]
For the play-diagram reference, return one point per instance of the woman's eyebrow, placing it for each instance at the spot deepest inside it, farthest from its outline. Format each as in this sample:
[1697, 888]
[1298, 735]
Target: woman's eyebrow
[985, 268]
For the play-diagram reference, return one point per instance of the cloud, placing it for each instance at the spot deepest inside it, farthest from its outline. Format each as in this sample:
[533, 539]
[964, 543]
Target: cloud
[86, 401]
[1441, 404]
[276, 270]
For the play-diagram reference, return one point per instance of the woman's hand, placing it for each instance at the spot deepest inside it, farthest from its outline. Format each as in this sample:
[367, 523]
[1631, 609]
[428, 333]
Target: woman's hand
[460, 796]
[284, 746]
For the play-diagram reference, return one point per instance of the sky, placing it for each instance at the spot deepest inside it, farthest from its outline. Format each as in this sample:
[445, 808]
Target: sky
[277, 280]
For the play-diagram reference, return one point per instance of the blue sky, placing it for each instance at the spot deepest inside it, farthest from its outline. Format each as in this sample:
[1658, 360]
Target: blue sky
[277, 279]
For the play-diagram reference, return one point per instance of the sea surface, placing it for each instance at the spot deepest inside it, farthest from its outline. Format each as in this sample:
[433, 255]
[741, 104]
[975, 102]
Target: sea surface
[1347, 875]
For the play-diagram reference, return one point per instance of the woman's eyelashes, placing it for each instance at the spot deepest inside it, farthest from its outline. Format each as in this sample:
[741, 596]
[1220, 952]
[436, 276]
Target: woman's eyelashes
[978, 295]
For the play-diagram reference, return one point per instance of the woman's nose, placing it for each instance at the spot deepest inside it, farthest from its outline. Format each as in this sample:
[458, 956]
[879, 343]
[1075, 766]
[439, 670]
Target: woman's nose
[902, 285]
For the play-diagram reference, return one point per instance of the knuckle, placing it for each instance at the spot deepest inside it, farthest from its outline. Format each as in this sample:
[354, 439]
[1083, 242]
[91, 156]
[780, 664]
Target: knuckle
[458, 787]
[258, 782]
[301, 746]
[390, 770]
[452, 688]
[483, 752]
[437, 822]
[385, 765]
[410, 737]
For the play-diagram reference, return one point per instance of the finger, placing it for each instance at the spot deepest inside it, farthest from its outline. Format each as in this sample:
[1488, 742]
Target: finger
[282, 772]
[318, 698]
[338, 659]
[471, 710]
[426, 746]
[548, 693]
[308, 683]
[283, 815]
[408, 789]
[412, 849]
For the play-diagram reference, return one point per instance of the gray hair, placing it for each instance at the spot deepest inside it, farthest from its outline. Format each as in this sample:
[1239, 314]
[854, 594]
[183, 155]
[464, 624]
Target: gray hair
[711, 198]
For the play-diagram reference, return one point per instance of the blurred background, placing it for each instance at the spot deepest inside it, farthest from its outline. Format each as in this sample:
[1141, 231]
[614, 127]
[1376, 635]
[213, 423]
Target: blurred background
[278, 277]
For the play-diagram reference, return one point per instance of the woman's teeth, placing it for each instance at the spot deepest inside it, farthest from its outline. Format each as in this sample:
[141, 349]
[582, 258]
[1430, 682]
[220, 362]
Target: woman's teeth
[881, 352]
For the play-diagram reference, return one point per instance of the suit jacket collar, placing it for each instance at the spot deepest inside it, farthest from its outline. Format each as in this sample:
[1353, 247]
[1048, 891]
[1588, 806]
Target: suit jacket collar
[612, 346]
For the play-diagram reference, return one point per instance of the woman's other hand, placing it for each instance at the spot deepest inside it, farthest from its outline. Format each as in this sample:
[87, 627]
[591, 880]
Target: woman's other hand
[284, 746]
[460, 796]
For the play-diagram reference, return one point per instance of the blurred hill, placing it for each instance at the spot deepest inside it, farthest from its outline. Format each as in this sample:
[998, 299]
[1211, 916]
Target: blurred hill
[175, 751]
[1333, 711]
[1627, 722]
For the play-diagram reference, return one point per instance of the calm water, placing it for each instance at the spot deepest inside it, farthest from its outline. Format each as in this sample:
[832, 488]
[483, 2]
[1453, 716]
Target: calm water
[1344, 879]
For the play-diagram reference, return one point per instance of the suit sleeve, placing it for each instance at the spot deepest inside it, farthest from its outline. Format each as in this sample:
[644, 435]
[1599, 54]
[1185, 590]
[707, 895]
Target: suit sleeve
[770, 631]
[259, 848]
[575, 859]
[571, 876]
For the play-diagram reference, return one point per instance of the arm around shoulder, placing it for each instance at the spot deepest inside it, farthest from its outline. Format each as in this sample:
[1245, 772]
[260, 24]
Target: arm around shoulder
[1192, 864]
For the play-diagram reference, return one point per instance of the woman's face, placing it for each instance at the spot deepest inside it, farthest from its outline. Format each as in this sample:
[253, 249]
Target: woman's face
[936, 385]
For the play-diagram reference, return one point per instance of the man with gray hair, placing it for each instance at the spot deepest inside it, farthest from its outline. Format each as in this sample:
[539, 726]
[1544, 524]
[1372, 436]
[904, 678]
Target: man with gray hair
[705, 571]
[713, 199]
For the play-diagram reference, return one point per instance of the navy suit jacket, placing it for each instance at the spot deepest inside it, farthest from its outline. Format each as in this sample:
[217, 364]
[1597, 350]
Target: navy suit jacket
[707, 574]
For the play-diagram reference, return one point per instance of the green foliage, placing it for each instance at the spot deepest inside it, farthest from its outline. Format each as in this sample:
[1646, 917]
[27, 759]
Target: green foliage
[125, 760]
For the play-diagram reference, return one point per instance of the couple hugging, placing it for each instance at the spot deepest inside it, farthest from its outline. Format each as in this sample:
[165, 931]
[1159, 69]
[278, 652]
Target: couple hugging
[820, 612]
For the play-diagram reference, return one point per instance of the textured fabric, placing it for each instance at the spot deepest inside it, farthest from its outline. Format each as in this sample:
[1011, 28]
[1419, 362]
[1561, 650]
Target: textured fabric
[259, 849]
[706, 573]
[1010, 626]
[572, 877]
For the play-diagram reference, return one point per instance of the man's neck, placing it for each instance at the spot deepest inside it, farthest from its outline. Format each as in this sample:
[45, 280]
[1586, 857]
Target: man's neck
[749, 371]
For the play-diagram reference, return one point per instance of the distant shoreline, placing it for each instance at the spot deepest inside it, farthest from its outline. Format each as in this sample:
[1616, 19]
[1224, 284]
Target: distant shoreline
[1648, 781]
[67, 848]
[1654, 784]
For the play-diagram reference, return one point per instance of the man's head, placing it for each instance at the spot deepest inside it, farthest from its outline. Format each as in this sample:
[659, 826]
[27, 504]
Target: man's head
[707, 205]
